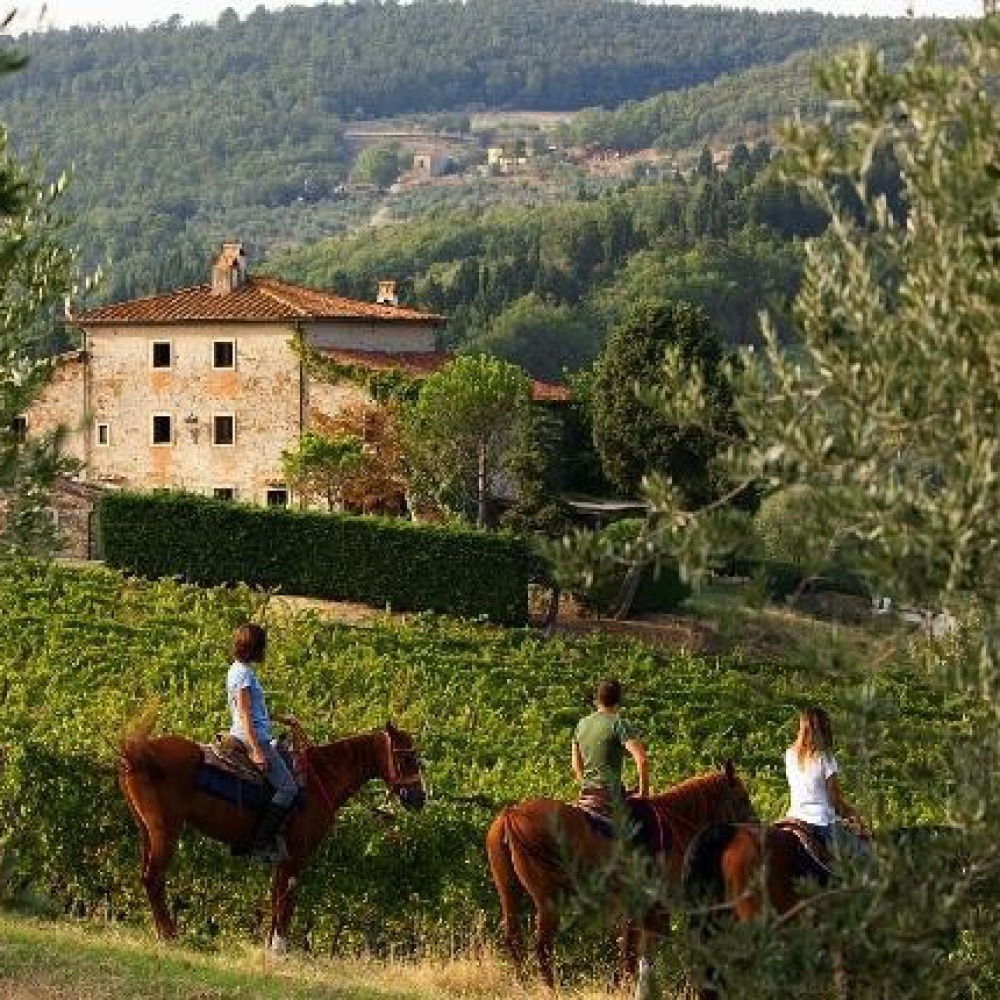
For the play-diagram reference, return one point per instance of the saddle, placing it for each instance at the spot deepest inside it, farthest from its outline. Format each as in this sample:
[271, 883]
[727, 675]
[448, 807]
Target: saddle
[227, 772]
[819, 858]
[645, 830]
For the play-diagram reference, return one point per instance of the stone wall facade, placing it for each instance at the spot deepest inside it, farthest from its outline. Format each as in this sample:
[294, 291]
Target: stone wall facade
[117, 398]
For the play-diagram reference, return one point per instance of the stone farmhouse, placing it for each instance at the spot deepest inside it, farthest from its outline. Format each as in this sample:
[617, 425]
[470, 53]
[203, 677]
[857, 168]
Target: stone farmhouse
[202, 389]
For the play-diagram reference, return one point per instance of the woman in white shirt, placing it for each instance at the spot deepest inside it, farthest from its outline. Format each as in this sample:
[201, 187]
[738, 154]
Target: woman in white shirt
[812, 772]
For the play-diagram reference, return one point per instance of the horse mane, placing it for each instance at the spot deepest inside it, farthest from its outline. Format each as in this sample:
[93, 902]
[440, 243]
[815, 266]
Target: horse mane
[691, 797]
[344, 747]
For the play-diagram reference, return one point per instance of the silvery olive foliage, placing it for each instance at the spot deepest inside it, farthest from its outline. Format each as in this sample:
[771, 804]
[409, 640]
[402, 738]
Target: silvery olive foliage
[887, 412]
[36, 275]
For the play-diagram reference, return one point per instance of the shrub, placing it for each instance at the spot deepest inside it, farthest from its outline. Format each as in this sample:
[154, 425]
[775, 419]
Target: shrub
[660, 589]
[785, 530]
[378, 561]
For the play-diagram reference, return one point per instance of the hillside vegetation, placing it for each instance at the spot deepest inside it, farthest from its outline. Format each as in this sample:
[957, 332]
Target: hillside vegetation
[45, 960]
[492, 711]
[542, 285]
[734, 106]
[182, 135]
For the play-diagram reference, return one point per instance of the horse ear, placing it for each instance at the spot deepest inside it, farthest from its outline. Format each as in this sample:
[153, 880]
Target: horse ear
[389, 727]
[729, 769]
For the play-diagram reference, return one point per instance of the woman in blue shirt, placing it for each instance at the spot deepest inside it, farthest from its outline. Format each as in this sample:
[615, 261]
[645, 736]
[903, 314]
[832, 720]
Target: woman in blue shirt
[252, 726]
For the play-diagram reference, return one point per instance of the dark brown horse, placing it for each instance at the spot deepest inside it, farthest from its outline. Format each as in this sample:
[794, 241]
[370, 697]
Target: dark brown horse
[740, 871]
[543, 846]
[157, 778]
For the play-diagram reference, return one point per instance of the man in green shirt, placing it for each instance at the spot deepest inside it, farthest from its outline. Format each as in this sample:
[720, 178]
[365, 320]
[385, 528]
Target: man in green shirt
[600, 742]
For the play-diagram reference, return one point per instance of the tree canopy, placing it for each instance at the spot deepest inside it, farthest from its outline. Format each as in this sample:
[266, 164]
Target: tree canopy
[36, 274]
[631, 436]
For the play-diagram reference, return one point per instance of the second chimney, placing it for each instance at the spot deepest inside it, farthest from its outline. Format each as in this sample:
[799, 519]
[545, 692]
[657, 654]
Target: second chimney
[387, 294]
[229, 271]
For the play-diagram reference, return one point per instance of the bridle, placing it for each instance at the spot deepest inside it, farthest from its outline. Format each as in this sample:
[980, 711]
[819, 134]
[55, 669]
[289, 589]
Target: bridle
[396, 779]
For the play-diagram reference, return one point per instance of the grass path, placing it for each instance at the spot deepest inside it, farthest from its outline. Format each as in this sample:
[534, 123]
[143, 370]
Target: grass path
[48, 960]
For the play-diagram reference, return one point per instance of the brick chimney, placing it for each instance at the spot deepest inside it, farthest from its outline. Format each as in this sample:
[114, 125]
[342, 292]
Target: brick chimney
[229, 271]
[387, 294]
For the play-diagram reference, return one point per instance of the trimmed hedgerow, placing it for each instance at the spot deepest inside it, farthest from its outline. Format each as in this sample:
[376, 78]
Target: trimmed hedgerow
[378, 561]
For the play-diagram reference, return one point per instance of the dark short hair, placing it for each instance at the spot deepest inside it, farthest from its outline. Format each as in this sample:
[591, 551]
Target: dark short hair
[249, 643]
[609, 693]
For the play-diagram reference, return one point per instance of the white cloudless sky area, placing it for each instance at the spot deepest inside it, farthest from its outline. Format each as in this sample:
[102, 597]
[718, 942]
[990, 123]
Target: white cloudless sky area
[62, 13]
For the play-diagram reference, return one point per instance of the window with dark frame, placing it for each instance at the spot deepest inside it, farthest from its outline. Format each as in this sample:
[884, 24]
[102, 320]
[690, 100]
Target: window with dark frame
[162, 354]
[277, 497]
[103, 435]
[224, 493]
[163, 429]
[224, 354]
[223, 429]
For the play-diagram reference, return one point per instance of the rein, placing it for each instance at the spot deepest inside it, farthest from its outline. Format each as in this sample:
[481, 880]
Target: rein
[394, 778]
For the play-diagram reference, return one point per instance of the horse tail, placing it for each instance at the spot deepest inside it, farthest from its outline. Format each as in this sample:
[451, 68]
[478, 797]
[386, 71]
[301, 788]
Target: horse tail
[134, 755]
[501, 862]
[506, 881]
[702, 877]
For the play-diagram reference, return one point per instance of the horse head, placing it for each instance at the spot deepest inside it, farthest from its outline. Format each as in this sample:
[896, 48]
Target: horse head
[735, 797]
[402, 768]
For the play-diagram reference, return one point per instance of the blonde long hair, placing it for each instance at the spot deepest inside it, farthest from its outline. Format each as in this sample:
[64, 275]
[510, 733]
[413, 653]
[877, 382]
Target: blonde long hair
[815, 736]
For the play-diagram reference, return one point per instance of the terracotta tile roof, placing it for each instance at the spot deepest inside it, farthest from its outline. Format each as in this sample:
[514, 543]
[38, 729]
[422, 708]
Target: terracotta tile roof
[418, 364]
[260, 300]
[421, 364]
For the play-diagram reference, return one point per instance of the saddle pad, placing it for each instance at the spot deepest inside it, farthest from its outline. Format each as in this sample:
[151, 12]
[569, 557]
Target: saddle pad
[601, 825]
[816, 854]
[223, 784]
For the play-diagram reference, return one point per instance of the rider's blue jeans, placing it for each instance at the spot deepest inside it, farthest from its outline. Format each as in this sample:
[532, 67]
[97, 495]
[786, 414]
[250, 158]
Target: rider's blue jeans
[279, 775]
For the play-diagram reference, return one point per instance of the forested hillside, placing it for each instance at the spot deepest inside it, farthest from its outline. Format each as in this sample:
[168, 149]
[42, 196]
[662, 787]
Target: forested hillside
[182, 135]
[733, 106]
[541, 286]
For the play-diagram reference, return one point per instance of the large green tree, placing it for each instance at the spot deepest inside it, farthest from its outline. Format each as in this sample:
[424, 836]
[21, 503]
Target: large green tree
[633, 437]
[460, 431]
[36, 273]
[320, 468]
[542, 337]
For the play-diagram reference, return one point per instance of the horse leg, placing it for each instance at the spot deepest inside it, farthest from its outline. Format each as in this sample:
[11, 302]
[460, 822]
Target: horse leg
[645, 982]
[162, 845]
[545, 936]
[283, 885]
[159, 841]
[628, 955]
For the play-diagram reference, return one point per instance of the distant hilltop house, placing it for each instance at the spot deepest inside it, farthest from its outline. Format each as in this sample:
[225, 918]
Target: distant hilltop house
[202, 389]
[430, 163]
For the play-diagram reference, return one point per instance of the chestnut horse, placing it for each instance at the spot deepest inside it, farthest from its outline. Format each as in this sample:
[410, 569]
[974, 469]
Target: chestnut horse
[542, 845]
[157, 778]
[729, 869]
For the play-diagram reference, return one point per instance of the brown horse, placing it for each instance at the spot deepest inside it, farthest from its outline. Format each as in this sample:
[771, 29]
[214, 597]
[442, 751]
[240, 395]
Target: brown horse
[543, 845]
[739, 871]
[157, 778]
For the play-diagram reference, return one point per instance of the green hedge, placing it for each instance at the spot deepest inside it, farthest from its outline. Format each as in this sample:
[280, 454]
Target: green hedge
[377, 561]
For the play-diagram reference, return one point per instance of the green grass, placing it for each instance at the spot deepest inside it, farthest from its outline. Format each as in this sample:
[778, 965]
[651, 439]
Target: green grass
[43, 959]
[59, 960]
